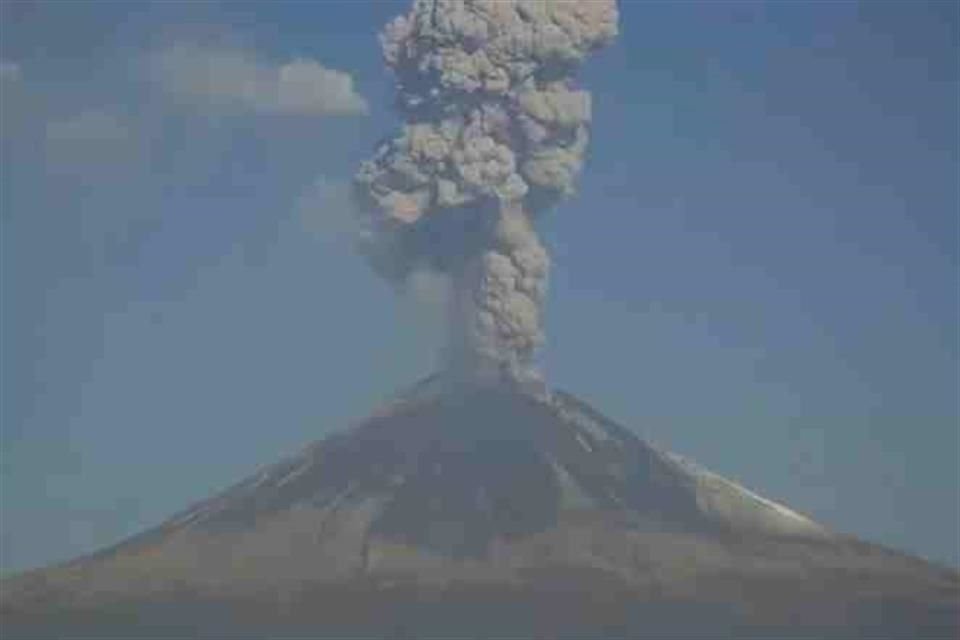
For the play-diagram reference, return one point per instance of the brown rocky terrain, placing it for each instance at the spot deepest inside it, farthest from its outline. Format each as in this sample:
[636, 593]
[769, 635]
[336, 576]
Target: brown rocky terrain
[486, 512]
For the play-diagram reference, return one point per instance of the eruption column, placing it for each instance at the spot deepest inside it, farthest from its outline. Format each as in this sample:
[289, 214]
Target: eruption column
[495, 132]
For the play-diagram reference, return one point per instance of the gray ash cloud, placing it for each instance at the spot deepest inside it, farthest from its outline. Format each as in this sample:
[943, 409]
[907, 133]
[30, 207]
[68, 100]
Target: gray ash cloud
[495, 131]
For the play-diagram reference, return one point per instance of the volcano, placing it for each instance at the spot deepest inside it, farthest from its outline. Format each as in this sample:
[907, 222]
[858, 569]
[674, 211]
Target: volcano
[486, 511]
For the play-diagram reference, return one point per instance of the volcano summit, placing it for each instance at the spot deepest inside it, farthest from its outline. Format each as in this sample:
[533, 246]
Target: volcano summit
[480, 504]
[485, 511]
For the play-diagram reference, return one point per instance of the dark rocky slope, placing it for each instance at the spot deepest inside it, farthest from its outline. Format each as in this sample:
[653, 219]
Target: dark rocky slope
[486, 512]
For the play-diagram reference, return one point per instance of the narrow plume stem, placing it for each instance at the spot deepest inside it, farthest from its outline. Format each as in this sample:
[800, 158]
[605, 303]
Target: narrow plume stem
[497, 322]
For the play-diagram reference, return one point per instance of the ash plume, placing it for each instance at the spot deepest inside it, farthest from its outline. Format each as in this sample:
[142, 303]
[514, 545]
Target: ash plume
[495, 131]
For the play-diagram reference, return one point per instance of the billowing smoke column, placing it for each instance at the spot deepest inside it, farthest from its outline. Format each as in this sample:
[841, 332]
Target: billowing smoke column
[495, 132]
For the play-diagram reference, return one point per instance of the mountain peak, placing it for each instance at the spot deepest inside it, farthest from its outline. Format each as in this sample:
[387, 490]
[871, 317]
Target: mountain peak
[453, 486]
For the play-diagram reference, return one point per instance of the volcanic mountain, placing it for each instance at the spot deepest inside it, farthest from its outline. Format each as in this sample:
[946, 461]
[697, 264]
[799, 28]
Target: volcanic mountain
[486, 511]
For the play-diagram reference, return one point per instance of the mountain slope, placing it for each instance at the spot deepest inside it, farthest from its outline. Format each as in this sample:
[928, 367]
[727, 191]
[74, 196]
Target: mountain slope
[486, 510]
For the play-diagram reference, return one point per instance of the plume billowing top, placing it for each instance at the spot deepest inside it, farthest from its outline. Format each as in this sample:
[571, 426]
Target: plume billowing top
[495, 131]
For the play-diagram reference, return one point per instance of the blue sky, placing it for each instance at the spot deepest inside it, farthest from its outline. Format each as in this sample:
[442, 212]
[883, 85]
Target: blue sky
[759, 270]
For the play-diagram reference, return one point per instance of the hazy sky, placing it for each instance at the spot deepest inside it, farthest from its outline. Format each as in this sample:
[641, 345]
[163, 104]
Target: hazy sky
[760, 270]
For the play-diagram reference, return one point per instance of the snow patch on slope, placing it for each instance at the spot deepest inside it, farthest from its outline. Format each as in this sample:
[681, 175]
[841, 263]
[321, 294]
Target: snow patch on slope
[579, 420]
[572, 495]
[740, 507]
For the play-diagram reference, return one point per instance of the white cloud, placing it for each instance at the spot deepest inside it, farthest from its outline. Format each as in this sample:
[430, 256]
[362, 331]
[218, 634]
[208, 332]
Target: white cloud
[218, 78]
